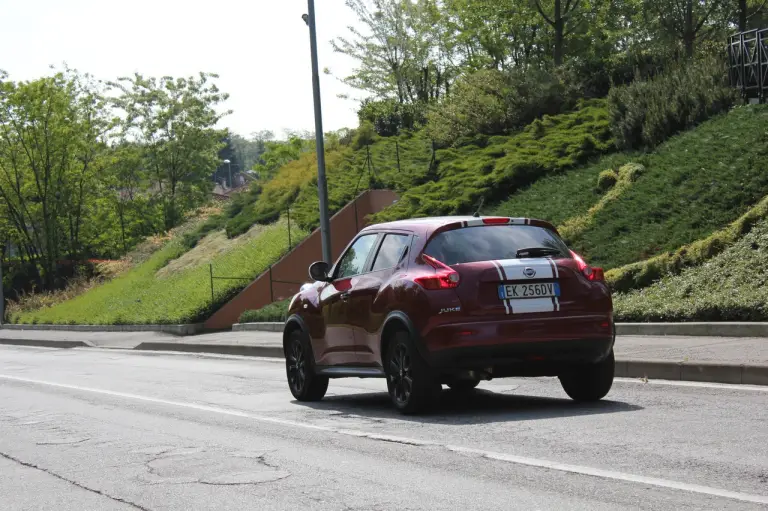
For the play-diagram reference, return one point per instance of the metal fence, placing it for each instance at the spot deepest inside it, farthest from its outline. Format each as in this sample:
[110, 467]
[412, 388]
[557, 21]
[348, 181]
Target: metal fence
[748, 63]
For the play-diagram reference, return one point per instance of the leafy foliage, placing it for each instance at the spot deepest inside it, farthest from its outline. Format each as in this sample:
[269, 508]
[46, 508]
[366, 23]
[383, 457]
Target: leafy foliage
[731, 286]
[646, 113]
[174, 120]
[47, 187]
[490, 102]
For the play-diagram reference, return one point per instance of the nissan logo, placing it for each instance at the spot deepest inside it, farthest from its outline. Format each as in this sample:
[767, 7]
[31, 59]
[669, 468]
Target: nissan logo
[529, 272]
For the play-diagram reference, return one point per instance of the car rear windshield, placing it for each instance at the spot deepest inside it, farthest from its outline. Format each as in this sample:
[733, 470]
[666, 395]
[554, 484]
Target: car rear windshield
[490, 242]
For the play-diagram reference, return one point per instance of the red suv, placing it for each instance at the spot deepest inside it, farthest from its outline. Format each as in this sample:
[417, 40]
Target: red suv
[453, 301]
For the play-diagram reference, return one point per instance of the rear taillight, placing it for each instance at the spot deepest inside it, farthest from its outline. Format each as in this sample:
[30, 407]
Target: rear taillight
[445, 277]
[593, 274]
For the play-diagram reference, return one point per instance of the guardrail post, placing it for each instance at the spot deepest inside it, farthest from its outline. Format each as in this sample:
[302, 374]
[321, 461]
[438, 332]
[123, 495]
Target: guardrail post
[289, 229]
[210, 267]
[271, 289]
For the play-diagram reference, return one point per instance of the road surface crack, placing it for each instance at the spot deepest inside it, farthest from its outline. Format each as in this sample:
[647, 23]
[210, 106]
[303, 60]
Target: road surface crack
[73, 483]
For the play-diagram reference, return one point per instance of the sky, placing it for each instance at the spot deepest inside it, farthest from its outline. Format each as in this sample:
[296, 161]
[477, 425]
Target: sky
[260, 49]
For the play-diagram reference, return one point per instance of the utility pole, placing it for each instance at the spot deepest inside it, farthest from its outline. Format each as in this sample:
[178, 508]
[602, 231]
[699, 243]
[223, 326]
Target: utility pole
[322, 185]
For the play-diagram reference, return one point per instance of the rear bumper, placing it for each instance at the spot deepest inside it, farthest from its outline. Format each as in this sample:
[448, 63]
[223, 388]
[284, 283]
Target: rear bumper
[520, 348]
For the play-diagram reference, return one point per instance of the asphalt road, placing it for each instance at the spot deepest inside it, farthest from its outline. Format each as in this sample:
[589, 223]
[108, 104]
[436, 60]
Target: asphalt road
[95, 429]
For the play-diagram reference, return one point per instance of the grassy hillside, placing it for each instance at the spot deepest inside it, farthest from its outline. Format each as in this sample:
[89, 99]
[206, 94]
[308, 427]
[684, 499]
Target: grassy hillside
[156, 292]
[732, 286]
[692, 185]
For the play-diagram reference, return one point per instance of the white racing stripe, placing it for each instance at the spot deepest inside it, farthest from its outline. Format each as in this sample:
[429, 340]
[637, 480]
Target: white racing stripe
[499, 456]
[513, 268]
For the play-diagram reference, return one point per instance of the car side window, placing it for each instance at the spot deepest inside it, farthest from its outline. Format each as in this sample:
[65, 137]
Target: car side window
[391, 251]
[353, 261]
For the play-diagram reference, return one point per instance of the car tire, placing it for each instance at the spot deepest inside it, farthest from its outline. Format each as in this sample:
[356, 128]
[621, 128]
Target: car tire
[305, 385]
[410, 381]
[463, 385]
[591, 382]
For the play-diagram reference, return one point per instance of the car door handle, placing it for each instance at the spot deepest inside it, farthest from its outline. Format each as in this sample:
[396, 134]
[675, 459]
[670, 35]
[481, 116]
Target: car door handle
[345, 296]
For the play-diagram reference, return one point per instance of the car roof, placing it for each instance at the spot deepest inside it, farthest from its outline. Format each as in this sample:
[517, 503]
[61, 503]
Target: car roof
[428, 224]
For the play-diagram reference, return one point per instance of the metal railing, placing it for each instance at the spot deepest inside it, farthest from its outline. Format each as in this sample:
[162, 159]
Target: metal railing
[748, 63]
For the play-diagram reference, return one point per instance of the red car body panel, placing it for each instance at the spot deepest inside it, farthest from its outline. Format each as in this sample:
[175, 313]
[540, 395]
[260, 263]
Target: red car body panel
[467, 327]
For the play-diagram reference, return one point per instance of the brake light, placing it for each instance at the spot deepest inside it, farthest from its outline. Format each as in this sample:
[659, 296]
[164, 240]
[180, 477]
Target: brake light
[445, 277]
[495, 221]
[593, 274]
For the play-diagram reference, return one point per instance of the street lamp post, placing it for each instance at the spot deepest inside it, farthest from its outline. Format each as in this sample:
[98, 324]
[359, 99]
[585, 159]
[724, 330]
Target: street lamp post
[229, 164]
[322, 185]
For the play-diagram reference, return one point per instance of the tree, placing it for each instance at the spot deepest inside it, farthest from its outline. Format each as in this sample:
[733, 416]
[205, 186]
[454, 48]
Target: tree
[492, 34]
[689, 21]
[52, 139]
[175, 122]
[403, 55]
[249, 150]
[564, 16]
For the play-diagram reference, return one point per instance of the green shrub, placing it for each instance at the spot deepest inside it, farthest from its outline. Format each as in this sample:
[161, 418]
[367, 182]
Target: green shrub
[732, 286]
[631, 172]
[390, 117]
[274, 312]
[494, 167]
[644, 273]
[572, 228]
[693, 185]
[607, 180]
[646, 113]
[491, 102]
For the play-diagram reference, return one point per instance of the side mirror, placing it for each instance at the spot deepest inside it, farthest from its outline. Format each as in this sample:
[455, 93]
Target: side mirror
[319, 271]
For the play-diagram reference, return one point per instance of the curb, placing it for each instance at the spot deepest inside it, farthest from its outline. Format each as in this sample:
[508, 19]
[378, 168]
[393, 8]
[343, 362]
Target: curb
[182, 330]
[220, 349]
[727, 329]
[713, 372]
[45, 343]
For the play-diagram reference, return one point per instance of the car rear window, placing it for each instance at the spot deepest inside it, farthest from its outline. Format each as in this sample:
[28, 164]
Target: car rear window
[490, 242]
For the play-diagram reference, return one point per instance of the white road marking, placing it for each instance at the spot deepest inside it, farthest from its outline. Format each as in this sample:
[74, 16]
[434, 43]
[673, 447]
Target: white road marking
[499, 456]
[697, 384]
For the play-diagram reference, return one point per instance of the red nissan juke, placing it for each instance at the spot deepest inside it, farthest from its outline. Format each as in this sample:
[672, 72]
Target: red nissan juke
[453, 301]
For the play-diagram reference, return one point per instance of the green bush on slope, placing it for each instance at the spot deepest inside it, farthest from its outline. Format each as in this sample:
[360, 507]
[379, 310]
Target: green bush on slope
[694, 184]
[646, 113]
[644, 273]
[274, 312]
[497, 166]
[732, 286]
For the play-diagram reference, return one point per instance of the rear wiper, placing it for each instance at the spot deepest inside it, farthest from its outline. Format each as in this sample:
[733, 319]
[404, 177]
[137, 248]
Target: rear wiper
[536, 252]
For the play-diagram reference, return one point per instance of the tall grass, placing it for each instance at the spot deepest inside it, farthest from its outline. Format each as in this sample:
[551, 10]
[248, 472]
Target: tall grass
[140, 297]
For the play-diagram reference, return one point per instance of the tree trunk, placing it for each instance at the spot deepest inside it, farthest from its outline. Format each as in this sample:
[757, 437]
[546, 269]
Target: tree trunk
[559, 27]
[689, 36]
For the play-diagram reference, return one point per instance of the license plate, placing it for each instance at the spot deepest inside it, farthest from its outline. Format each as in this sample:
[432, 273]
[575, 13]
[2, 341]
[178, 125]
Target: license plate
[507, 291]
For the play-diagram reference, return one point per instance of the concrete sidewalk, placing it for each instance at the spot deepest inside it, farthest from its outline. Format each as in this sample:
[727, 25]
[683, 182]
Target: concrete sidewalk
[714, 359]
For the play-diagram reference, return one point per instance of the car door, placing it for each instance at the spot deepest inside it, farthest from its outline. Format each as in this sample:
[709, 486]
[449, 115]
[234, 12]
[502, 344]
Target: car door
[365, 314]
[338, 345]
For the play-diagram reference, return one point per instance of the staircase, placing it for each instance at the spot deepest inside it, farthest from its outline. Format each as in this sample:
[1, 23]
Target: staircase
[285, 277]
